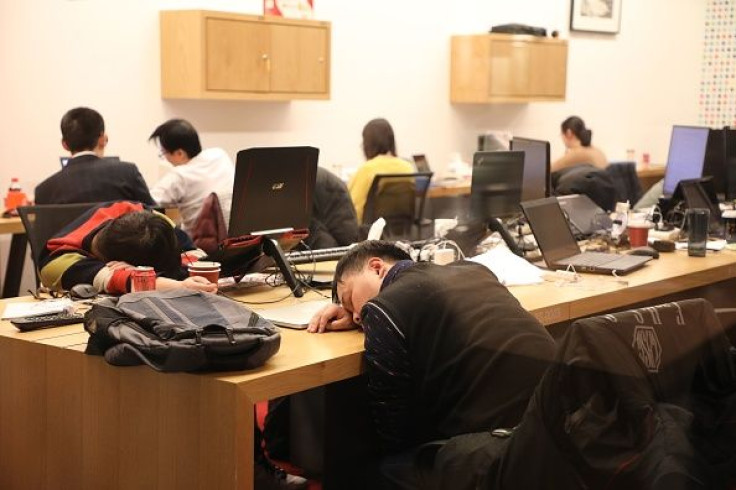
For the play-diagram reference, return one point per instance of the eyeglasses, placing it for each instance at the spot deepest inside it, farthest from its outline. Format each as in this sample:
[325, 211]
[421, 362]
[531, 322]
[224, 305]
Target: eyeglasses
[44, 292]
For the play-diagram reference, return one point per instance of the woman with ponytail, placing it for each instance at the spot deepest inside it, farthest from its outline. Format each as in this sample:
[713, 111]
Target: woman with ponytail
[579, 150]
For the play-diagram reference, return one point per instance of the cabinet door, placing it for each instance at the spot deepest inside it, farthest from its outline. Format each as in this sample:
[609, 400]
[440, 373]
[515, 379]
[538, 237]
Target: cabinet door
[509, 68]
[237, 54]
[299, 59]
[548, 68]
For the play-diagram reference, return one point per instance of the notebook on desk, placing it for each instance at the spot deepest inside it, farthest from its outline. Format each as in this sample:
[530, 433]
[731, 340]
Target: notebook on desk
[558, 245]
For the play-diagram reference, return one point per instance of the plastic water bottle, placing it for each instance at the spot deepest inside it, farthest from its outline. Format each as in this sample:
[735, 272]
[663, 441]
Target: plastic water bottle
[15, 197]
[620, 220]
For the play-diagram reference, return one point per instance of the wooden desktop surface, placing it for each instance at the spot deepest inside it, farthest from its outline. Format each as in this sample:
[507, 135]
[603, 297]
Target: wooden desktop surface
[73, 421]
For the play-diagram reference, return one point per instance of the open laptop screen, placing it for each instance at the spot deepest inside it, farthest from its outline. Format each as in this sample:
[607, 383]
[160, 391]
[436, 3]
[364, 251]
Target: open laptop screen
[273, 189]
[686, 156]
[536, 182]
[495, 189]
[550, 228]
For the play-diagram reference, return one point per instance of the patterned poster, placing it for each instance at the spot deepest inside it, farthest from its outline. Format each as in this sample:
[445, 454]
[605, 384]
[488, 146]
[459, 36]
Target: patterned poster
[718, 77]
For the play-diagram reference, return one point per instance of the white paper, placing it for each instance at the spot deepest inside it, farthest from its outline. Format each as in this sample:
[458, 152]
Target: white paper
[37, 308]
[714, 245]
[510, 269]
[296, 315]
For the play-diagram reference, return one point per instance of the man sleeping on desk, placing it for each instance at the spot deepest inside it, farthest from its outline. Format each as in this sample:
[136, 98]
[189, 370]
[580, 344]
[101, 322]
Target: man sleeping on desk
[102, 246]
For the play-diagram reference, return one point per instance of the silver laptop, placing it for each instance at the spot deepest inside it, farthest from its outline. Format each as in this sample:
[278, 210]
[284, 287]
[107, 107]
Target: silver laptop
[294, 316]
[558, 245]
[585, 216]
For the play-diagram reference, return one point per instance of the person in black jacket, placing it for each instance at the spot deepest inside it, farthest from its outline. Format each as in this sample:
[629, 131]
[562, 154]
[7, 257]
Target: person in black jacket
[448, 349]
[89, 176]
[334, 222]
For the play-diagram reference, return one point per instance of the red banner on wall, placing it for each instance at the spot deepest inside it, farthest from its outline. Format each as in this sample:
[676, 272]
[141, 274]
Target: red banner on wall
[295, 9]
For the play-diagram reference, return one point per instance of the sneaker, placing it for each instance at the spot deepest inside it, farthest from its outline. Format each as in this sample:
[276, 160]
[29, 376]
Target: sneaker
[267, 476]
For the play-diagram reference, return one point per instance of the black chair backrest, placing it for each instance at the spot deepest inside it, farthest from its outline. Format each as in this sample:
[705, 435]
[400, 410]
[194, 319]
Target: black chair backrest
[625, 181]
[399, 199]
[42, 222]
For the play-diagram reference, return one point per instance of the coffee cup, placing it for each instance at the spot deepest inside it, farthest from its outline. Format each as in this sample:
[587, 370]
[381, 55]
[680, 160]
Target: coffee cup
[638, 232]
[208, 270]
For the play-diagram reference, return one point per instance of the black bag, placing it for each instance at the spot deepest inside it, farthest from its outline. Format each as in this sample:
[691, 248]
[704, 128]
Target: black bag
[179, 330]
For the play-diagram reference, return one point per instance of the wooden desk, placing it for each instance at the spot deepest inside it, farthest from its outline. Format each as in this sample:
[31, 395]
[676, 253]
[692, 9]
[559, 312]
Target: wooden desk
[68, 420]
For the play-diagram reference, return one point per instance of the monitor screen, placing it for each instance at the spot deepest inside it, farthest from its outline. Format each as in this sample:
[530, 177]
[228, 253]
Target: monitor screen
[686, 156]
[720, 161]
[536, 181]
[495, 189]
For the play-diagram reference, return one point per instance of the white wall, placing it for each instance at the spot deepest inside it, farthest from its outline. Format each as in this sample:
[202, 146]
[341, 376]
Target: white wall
[389, 59]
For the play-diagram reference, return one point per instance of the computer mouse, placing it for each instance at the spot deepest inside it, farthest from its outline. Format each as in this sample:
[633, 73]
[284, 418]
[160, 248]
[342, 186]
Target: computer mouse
[83, 291]
[644, 251]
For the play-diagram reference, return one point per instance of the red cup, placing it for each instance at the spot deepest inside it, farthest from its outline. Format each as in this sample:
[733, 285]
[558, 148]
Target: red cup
[638, 233]
[208, 270]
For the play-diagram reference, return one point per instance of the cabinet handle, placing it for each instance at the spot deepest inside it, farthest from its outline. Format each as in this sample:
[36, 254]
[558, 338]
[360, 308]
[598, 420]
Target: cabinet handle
[264, 57]
[320, 59]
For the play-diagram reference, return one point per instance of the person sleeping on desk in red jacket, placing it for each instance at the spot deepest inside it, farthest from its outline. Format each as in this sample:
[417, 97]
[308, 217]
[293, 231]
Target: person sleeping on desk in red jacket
[102, 246]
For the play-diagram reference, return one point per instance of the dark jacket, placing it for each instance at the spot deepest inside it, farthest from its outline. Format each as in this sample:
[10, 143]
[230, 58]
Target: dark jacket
[639, 399]
[334, 222]
[586, 179]
[88, 178]
[449, 351]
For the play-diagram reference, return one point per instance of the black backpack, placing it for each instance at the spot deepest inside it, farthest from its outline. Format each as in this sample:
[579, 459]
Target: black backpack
[179, 330]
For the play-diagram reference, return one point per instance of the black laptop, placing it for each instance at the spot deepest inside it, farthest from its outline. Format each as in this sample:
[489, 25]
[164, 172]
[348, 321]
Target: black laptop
[421, 163]
[584, 215]
[558, 245]
[273, 190]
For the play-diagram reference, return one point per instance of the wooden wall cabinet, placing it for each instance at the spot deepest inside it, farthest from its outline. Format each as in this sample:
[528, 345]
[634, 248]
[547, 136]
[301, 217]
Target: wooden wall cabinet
[507, 68]
[216, 55]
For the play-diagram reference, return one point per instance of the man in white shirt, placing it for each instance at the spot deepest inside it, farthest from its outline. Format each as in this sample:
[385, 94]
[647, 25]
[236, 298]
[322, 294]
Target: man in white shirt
[195, 175]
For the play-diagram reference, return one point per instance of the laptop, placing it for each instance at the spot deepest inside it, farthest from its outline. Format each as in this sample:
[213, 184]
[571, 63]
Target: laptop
[584, 215]
[421, 163]
[700, 193]
[273, 190]
[558, 245]
[295, 316]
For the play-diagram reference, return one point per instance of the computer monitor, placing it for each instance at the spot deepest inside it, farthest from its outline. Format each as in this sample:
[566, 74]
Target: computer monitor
[421, 163]
[495, 188]
[536, 183]
[720, 162]
[686, 156]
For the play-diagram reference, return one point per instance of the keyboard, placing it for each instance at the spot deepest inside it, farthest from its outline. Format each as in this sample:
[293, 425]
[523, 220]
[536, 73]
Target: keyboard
[297, 257]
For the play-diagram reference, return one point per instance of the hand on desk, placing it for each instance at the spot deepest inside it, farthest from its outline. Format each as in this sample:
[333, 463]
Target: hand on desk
[331, 317]
[196, 283]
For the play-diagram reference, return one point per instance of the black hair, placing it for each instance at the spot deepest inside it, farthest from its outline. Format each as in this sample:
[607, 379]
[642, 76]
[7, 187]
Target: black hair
[577, 126]
[81, 129]
[378, 139]
[355, 259]
[141, 238]
[177, 134]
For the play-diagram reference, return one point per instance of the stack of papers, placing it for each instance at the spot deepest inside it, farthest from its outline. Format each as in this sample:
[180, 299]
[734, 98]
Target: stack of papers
[509, 268]
[37, 308]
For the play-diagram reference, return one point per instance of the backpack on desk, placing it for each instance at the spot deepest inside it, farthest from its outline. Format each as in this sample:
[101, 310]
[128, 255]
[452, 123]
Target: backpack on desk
[179, 330]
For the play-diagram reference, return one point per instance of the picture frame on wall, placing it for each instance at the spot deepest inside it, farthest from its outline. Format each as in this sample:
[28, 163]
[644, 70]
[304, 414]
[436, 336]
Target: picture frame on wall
[596, 16]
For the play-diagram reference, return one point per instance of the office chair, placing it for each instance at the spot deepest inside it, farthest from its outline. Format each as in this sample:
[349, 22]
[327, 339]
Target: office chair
[41, 222]
[399, 199]
[625, 181]
[644, 398]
